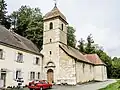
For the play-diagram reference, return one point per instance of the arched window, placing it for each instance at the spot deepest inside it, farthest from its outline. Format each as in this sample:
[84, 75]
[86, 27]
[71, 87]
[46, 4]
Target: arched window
[62, 26]
[51, 25]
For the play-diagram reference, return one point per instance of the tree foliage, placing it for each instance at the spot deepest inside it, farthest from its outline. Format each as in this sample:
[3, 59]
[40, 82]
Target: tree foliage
[71, 41]
[4, 20]
[113, 65]
[28, 22]
[89, 49]
[81, 45]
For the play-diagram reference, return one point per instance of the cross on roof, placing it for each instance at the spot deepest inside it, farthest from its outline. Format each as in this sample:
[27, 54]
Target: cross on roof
[55, 1]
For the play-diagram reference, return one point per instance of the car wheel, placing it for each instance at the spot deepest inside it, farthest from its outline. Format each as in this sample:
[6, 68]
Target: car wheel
[31, 89]
[41, 88]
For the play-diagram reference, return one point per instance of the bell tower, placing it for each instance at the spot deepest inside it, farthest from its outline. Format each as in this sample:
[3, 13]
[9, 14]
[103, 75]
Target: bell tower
[55, 33]
[55, 29]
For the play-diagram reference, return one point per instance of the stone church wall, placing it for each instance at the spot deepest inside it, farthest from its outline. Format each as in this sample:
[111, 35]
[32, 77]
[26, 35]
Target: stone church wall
[53, 57]
[84, 72]
[67, 69]
[100, 73]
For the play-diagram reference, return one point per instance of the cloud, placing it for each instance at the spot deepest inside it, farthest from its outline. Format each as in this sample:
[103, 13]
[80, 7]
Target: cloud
[101, 18]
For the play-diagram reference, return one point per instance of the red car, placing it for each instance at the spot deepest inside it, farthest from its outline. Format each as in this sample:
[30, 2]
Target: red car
[39, 85]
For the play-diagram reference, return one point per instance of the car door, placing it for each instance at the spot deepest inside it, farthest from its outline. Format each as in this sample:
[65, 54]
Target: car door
[44, 85]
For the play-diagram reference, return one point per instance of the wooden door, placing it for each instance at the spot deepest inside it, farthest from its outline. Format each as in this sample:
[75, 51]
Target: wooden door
[50, 76]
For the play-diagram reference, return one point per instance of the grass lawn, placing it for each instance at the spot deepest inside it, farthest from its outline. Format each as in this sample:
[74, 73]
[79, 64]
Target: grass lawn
[113, 86]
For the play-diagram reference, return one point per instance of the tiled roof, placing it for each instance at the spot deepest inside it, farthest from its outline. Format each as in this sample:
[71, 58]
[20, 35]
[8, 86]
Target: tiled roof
[74, 53]
[54, 13]
[11, 38]
[94, 58]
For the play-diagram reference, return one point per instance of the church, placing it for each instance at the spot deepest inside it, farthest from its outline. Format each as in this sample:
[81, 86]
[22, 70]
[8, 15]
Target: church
[57, 63]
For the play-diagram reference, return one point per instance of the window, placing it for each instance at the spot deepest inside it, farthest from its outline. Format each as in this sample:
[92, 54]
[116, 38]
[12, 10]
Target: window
[1, 54]
[18, 74]
[51, 25]
[50, 52]
[37, 60]
[32, 75]
[20, 57]
[50, 40]
[38, 77]
[62, 26]
[83, 67]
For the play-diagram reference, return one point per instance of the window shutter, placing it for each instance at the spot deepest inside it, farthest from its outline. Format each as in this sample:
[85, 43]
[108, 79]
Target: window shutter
[36, 76]
[22, 75]
[14, 75]
[23, 58]
[29, 76]
[34, 60]
[39, 62]
[16, 55]
[4, 54]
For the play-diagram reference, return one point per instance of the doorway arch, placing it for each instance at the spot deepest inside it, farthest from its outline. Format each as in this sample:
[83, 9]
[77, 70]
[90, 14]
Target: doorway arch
[50, 76]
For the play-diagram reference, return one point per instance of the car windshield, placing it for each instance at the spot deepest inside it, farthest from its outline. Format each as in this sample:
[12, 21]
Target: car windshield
[43, 82]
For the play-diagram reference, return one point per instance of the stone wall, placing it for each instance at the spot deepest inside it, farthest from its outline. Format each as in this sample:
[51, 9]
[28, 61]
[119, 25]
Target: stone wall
[84, 72]
[100, 73]
[67, 72]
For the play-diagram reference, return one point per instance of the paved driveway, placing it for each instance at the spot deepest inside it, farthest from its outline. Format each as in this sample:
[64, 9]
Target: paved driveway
[90, 86]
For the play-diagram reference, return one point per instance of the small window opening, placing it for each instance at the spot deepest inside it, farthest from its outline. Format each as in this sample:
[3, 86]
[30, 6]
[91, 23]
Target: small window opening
[50, 52]
[50, 40]
[51, 25]
[62, 26]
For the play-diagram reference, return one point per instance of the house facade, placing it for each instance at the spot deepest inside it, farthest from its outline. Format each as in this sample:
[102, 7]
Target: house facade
[19, 58]
[57, 62]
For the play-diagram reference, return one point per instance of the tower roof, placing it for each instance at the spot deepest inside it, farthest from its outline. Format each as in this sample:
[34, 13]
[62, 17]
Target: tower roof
[55, 12]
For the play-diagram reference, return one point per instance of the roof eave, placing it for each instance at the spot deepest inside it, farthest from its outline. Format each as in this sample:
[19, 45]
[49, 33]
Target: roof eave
[75, 57]
[50, 18]
[18, 48]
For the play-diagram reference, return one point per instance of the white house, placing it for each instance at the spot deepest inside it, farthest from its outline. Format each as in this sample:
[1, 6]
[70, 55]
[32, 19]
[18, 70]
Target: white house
[19, 58]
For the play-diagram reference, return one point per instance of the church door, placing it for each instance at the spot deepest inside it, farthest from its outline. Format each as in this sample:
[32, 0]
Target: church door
[50, 76]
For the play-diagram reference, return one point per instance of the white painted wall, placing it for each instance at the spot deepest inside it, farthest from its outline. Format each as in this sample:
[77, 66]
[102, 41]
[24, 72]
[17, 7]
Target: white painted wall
[26, 67]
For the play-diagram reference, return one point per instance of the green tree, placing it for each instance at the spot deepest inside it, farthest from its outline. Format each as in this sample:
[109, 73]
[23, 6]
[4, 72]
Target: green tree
[71, 41]
[4, 20]
[115, 67]
[90, 49]
[81, 46]
[28, 22]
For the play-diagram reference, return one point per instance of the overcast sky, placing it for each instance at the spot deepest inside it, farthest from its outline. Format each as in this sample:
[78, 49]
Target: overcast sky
[101, 18]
